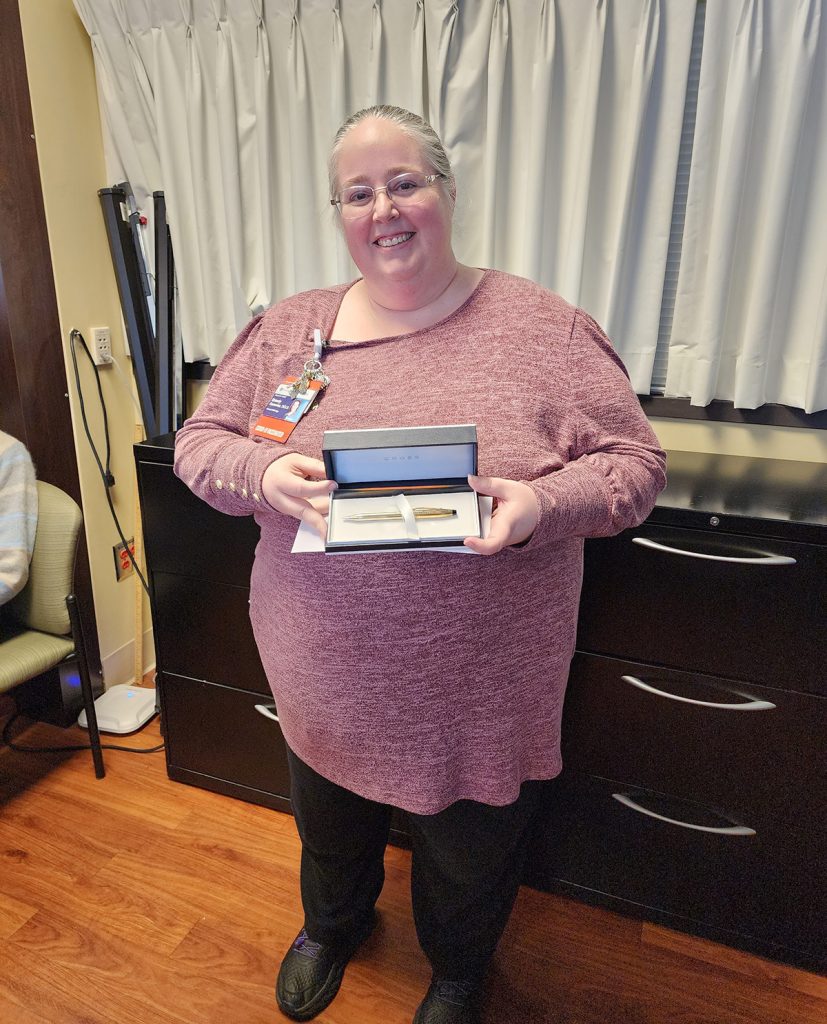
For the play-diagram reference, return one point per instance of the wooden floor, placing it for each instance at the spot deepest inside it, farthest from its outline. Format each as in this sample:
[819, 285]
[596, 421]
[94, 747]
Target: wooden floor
[136, 900]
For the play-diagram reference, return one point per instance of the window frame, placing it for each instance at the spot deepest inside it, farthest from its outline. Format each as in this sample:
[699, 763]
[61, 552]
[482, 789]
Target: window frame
[720, 411]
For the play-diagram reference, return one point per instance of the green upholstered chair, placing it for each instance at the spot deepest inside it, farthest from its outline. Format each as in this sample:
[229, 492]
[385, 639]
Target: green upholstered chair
[41, 625]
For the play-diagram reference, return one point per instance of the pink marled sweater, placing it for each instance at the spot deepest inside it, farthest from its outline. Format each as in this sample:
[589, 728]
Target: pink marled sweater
[418, 680]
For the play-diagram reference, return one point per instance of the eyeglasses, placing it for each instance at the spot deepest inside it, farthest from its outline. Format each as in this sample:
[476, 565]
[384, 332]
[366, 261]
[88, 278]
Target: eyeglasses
[403, 190]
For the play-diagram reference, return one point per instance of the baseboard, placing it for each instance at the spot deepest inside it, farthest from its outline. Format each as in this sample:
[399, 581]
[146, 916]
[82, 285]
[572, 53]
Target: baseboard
[119, 666]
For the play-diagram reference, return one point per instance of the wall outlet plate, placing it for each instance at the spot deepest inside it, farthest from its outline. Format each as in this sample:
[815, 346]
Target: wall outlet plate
[101, 345]
[123, 563]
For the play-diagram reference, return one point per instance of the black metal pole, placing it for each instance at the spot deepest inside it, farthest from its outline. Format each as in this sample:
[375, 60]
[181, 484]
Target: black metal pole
[86, 686]
[164, 320]
[130, 276]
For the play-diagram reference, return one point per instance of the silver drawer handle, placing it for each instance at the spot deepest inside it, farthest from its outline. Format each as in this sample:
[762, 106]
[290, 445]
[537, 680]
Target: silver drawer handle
[267, 710]
[750, 705]
[763, 560]
[731, 830]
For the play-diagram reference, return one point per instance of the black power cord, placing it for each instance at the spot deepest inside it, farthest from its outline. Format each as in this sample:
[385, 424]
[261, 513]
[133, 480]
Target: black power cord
[108, 482]
[6, 741]
[105, 472]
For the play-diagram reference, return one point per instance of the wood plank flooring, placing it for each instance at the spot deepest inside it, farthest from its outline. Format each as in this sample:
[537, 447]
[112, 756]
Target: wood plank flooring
[136, 900]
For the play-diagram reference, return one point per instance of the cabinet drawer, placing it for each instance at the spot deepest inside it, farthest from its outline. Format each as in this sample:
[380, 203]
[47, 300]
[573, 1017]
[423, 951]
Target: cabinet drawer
[216, 731]
[764, 621]
[203, 630]
[772, 760]
[185, 535]
[768, 885]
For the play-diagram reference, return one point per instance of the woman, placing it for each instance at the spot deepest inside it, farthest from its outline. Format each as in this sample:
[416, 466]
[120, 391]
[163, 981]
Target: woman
[435, 682]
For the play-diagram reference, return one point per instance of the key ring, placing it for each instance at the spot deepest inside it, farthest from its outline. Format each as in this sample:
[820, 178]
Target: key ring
[312, 366]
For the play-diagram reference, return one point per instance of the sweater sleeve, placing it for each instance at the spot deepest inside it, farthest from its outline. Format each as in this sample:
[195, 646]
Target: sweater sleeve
[214, 454]
[617, 467]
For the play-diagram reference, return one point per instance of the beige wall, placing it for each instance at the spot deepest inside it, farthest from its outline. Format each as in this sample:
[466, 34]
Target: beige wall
[795, 443]
[70, 152]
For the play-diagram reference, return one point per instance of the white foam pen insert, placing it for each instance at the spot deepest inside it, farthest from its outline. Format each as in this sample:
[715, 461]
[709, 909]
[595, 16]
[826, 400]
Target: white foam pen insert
[307, 541]
[342, 529]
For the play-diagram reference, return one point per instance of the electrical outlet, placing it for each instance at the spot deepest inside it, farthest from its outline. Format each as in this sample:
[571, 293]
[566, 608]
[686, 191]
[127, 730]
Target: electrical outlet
[101, 345]
[123, 563]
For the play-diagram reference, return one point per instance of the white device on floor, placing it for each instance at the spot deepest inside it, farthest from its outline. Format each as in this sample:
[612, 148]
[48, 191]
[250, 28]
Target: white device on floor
[122, 709]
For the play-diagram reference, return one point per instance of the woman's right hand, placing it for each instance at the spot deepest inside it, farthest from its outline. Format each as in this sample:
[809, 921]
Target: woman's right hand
[291, 482]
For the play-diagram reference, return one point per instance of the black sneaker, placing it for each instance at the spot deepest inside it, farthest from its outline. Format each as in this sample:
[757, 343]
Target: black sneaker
[310, 976]
[449, 1002]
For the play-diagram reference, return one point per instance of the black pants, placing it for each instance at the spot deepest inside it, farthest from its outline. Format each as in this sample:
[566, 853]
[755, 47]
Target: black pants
[465, 872]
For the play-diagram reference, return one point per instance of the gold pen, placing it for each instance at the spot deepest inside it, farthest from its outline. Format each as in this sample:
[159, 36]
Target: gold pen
[388, 517]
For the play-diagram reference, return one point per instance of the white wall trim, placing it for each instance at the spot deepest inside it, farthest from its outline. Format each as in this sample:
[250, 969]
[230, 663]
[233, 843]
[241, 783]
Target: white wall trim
[118, 666]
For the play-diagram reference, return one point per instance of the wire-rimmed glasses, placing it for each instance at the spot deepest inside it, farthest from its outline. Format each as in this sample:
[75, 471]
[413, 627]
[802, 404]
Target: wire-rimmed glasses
[403, 190]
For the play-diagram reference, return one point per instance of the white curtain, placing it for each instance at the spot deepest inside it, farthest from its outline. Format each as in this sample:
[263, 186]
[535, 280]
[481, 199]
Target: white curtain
[750, 319]
[562, 119]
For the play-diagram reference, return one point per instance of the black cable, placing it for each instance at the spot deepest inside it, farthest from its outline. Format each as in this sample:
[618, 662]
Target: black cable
[4, 738]
[109, 480]
[105, 474]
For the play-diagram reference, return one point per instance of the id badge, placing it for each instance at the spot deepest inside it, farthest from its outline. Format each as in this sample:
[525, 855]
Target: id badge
[285, 409]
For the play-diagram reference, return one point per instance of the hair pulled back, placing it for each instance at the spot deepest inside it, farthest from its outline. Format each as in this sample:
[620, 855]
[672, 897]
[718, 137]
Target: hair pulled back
[416, 127]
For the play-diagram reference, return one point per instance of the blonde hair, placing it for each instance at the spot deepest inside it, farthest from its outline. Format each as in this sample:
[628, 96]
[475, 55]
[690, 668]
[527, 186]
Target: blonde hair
[413, 125]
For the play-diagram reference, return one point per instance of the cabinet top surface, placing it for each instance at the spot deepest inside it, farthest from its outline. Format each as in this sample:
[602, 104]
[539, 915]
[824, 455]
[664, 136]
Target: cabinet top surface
[723, 485]
[731, 485]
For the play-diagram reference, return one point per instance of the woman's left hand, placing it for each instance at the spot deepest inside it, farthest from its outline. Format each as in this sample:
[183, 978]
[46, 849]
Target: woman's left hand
[515, 516]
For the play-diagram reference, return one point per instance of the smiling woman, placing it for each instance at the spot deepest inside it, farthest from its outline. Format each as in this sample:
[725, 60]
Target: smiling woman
[399, 237]
[429, 682]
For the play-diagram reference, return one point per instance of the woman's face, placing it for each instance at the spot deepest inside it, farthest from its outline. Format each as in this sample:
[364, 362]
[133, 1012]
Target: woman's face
[405, 246]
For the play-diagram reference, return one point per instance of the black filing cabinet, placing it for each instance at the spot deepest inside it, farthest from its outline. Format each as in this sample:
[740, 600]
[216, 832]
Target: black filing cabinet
[694, 792]
[695, 783]
[220, 724]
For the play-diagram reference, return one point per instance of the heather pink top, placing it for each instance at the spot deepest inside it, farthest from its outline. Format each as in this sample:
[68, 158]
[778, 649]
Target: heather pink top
[421, 679]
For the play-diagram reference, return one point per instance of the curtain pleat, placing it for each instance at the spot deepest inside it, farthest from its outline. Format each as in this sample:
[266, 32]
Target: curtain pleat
[630, 203]
[498, 122]
[580, 159]
[206, 182]
[440, 21]
[538, 214]
[375, 62]
[181, 189]
[297, 114]
[417, 98]
[339, 109]
[814, 365]
[263, 286]
[235, 142]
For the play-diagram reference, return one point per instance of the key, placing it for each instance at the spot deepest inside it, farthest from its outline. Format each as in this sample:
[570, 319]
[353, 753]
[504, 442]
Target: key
[300, 385]
[312, 370]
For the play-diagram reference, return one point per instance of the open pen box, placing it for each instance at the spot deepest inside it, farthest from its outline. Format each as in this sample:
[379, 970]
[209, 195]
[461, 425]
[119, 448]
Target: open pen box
[401, 487]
